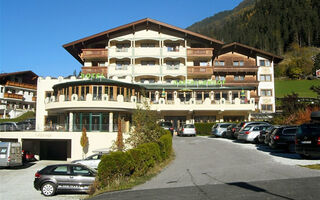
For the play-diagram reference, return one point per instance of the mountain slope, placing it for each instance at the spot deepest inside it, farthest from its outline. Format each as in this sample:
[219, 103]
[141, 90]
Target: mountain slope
[271, 25]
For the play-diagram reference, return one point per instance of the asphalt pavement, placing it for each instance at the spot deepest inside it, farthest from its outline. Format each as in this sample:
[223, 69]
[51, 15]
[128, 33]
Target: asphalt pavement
[214, 168]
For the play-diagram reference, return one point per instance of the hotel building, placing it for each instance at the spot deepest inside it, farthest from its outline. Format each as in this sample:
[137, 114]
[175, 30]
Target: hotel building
[185, 76]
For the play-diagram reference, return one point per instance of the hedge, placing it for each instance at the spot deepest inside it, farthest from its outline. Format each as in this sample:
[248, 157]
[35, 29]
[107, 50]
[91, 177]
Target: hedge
[204, 128]
[134, 162]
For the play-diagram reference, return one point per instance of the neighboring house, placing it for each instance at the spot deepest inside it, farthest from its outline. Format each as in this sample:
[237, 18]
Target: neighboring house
[185, 76]
[17, 93]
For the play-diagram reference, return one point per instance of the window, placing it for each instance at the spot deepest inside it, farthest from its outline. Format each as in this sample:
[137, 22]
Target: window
[172, 47]
[60, 170]
[239, 78]
[264, 63]
[220, 78]
[79, 170]
[266, 93]
[265, 77]
[266, 107]
[173, 64]
[204, 63]
[122, 65]
[219, 63]
[148, 45]
[148, 63]
[235, 63]
[122, 47]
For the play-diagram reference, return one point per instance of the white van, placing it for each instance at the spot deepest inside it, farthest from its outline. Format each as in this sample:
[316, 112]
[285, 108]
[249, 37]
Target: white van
[10, 154]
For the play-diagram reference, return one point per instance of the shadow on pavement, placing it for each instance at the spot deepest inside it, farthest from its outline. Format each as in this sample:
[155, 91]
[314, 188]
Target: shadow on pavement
[24, 166]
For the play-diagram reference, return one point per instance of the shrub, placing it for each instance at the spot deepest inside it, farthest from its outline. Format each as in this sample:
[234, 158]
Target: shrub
[165, 144]
[114, 166]
[151, 153]
[204, 128]
[139, 163]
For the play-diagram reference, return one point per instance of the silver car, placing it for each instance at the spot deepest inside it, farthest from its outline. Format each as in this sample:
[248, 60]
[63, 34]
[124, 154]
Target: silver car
[91, 161]
[251, 132]
[220, 129]
[187, 129]
[64, 177]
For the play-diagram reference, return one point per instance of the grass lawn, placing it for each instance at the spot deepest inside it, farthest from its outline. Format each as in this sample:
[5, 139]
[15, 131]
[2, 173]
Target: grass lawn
[302, 87]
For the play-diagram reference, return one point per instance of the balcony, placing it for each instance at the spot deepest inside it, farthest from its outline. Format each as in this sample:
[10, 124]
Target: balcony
[13, 96]
[95, 70]
[34, 98]
[248, 81]
[228, 69]
[22, 85]
[200, 52]
[101, 54]
[151, 52]
[200, 70]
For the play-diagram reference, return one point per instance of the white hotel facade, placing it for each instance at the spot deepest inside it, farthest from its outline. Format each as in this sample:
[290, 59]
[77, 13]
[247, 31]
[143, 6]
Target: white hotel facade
[186, 77]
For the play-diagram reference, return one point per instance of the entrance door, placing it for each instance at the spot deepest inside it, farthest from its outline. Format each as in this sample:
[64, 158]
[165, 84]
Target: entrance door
[177, 121]
[95, 122]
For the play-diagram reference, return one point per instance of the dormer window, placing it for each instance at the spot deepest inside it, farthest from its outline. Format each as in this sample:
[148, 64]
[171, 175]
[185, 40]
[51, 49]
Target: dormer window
[219, 63]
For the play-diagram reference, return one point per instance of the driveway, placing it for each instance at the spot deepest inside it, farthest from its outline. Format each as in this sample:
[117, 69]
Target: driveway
[215, 168]
[17, 183]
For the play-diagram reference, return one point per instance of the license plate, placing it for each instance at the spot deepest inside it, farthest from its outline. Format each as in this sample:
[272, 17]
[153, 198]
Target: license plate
[305, 142]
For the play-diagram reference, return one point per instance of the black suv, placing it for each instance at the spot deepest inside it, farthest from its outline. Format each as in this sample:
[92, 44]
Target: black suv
[167, 126]
[308, 137]
[283, 136]
[64, 177]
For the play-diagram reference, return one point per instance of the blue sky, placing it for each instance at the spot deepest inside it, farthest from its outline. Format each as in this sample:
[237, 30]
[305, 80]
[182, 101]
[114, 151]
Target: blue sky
[32, 32]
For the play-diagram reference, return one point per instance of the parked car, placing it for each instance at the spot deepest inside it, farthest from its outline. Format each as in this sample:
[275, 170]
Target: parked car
[230, 131]
[250, 133]
[64, 177]
[91, 161]
[9, 126]
[167, 126]
[283, 137]
[27, 156]
[220, 129]
[263, 133]
[10, 154]
[307, 141]
[24, 125]
[187, 129]
[240, 126]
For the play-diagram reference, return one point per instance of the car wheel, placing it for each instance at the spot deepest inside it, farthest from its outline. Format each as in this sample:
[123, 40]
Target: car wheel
[256, 140]
[48, 189]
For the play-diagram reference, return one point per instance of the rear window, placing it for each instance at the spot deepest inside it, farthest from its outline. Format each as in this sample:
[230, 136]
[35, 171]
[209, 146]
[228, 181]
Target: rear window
[310, 129]
[189, 126]
[3, 150]
[247, 128]
[165, 124]
[290, 131]
[60, 170]
[258, 128]
[224, 125]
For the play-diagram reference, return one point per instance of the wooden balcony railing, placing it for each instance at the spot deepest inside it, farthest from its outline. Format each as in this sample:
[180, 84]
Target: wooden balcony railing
[22, 85]
[101, 54]
[200, 52]
[200, 70]
[95, 70]
[13, 96]
[252, 69]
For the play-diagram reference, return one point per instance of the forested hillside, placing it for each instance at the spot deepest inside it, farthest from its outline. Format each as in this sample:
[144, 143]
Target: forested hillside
[271, 25]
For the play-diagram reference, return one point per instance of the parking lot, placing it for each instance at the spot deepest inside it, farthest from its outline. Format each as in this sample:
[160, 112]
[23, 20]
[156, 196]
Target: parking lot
[200, 161]
[17, 183]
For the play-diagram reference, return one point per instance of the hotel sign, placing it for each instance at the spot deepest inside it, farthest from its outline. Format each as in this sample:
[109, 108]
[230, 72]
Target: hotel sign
[199, 83]
[92, 75]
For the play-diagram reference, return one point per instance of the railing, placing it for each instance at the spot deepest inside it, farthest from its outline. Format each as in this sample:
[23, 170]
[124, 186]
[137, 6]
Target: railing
[95, 69]
[77, 127]
[94, 53]
[235, 69]
[200, 52]
[200, 70]
[13, 96]
[22, 85]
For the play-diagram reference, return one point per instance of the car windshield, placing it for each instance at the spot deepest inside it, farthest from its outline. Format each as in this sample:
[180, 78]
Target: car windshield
[313, 129]
[189, 126]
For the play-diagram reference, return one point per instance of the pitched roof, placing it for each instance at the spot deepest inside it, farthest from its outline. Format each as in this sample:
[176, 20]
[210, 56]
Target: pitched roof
[18, 73]
[235, 46]
[74, 52]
